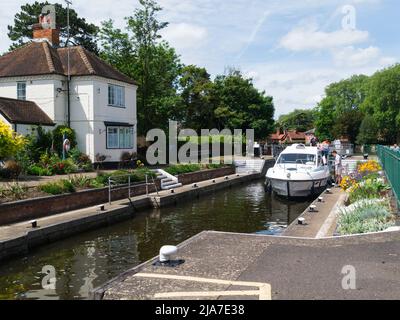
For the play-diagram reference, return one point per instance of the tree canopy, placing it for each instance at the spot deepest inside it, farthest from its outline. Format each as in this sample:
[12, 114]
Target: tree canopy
[365, 109]
[81, 32]
[382, 103]
[339, 114]
[168, 90]
[299, 119]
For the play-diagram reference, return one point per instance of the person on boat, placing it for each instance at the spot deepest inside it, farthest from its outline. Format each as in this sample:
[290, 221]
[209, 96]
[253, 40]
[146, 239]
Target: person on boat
[395, 148]
[314, 141]
[325, 148]
[338, 167]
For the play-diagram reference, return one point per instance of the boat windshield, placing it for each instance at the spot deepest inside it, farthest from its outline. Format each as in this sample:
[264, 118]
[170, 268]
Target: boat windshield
[297, 158]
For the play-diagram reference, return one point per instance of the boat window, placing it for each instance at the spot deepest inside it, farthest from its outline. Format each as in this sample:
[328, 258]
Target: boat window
[297, 158]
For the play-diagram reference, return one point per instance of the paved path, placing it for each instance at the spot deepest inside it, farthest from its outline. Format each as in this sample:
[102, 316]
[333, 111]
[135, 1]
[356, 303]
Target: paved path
[320, 222]
[294, 268]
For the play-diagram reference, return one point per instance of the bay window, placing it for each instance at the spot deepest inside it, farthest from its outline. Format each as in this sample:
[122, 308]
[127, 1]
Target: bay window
[119, 137]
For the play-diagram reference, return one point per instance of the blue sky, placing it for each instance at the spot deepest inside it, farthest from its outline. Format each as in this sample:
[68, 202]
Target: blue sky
[292, 49]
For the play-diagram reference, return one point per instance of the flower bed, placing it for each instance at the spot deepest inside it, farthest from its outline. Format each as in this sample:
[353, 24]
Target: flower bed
[368, 207]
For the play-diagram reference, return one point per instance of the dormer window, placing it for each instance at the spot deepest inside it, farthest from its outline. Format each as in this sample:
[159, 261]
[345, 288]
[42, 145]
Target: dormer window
[21, 90]
[116, 96]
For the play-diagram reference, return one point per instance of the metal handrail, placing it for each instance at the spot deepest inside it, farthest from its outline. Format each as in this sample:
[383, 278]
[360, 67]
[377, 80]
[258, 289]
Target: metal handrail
[112, 182]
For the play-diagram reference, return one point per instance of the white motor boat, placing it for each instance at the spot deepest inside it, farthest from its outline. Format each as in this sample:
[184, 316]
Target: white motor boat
[298, 172]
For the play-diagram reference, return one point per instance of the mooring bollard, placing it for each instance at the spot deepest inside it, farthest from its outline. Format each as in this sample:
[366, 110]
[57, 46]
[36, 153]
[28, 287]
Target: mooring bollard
[33, 223]
[301, 221]
[312, 208]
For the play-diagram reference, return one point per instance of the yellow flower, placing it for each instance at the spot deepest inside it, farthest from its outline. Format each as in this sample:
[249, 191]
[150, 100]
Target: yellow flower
[368, 167]
[347, 183]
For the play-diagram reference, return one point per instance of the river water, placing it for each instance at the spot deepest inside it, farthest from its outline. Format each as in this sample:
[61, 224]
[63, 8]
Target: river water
[90, 259]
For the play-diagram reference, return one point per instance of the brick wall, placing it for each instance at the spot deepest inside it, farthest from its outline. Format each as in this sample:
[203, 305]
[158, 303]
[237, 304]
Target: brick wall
[193, 177]
[40, 207]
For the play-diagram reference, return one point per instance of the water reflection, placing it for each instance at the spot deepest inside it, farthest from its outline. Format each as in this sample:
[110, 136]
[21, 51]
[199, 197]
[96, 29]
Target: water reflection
[88, 260]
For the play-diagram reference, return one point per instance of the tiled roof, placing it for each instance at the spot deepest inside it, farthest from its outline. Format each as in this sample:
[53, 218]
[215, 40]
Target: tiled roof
[40, 58]
[296, 135]
[23, 112]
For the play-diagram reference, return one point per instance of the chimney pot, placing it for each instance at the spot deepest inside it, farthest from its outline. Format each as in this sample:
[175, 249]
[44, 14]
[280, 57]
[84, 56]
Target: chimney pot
[52, 35]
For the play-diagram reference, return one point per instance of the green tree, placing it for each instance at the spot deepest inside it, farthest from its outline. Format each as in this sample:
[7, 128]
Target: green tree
[299, 119]
[325, 119]
[383, 103]
[140, 54]
[81, 32]
[339, 113]
[241, 106]
[368, 131]
[196, 90]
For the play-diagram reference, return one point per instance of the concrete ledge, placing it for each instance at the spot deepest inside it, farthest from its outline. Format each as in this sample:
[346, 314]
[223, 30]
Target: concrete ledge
[296, 268]
[318, 223]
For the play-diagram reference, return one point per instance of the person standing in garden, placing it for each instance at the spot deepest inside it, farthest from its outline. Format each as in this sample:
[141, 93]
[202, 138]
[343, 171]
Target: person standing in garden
[338, 167]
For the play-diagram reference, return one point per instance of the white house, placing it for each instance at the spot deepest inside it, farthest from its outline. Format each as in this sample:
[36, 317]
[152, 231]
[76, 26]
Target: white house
[102, 101]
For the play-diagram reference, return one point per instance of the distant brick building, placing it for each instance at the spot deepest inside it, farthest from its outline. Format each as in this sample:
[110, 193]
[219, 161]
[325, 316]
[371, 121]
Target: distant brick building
[287, 137]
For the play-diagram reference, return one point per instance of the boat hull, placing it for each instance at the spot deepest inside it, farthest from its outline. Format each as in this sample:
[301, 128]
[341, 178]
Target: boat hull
[293, 188]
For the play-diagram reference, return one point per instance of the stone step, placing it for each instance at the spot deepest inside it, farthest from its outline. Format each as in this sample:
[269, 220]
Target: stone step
[173, 186]
[169, 183]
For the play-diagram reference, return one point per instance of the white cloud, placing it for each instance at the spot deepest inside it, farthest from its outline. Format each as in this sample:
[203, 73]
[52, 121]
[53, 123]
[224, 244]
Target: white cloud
[358, 57]
[185, 35]
[302, 85]
[309, 37]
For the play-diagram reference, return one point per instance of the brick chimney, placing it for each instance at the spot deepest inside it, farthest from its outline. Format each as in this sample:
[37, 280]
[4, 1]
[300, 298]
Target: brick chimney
[51, 35]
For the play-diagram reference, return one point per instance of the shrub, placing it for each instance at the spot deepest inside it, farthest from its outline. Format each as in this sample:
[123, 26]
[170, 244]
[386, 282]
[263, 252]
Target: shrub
[141, 173]
[81, 160]
[15, 191]
[367, 189]
[58, 141]
[68, 186]
[10, 170]
[64, 167]
[10, 142]
[365, 217]
[53, 188]
[38, 143]
[101, 180]
[36, 170]
[58, 187]
[80, 181]
[183, 168]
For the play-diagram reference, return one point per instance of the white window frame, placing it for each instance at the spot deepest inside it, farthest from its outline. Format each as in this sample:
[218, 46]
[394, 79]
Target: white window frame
[124, 137]
[116, 96]
[19, 90]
